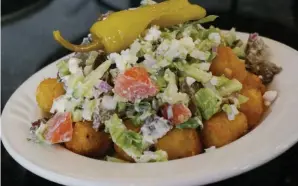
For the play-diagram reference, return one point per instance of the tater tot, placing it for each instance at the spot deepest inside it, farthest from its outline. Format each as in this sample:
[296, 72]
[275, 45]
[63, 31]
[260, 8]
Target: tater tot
[228, 64]
[180, 143]
[252, 81]
[219, 130]
[86, 141]
[119, 152]
[254, 107]
[48, 90]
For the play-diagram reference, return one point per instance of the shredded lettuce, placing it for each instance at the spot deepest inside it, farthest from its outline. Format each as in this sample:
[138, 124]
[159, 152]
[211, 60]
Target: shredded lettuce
[91, 58]
[88, 109]
[171, 94]
[195, 72]
[127, 140]
[193, 123]
[229, 87]
[207, 19]
[208, 102]
[230, 37]
[132, 142]
[149, 156]
[63, 68]
[85, 88]
[242, 99]
[239, 51]
[230, 110]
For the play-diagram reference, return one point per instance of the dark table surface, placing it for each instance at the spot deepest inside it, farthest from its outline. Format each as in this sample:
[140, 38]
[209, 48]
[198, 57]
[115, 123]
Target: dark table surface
[27, 46]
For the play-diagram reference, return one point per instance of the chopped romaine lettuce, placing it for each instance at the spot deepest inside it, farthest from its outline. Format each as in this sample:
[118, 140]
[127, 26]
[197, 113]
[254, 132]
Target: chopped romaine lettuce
[149, 156]
[240, 51]
[171, 94]
[208, 102]
[230, 110]
[77, 115]
[129, 141]
[193, 123]
[242, 99]
[88, 109]
[195, 72]
[229, 87]
[230, 37]
[207, 19]
[39, 133]
[63, 68]
[139, 112]
[91, 58]
[85, 88]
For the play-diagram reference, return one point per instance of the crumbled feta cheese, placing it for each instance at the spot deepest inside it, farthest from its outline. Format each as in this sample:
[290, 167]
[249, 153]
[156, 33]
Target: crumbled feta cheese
[59, 105]
[230, 110]
[163, 47]
[173, 50]
[190, 81]
[197, 54]
[233, 113]
[214, 80]
[187, 31]
[153, 34]
[64, 79]
[109, 103]
[215, 37]
[135, 47]
[187, 42]
[124, 60]
[269, 97]
[116, 58]
[128, 57]
[73, 65]
[204, 66]
[149, 61]
[147, 2]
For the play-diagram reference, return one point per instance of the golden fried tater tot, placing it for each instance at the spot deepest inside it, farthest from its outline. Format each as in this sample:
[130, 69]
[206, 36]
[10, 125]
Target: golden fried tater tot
[86, 141]
[48, 90]
[219, 130]
[180, 143]
[253, 81]
[254, 107]
[228, 64]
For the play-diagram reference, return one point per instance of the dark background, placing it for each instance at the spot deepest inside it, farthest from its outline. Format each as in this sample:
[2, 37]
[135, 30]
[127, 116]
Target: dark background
[27, 46]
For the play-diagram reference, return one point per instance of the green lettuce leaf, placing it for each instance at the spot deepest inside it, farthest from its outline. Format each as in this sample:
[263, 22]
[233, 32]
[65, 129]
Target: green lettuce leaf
[192, 123]
[207, 19]
[208, 102]
[171, 94]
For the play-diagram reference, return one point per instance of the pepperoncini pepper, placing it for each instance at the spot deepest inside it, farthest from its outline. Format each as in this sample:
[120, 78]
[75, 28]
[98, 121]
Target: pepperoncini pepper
[120, 29]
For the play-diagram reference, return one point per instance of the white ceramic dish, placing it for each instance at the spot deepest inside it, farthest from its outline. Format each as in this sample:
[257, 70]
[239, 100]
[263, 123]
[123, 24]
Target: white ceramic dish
[277, 133]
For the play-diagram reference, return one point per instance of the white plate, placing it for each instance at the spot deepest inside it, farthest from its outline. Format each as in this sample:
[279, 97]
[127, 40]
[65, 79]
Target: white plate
[277, 133]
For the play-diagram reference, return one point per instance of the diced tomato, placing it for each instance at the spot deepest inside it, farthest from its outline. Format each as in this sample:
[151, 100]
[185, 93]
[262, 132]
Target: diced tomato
[134, 84]
[59, 128]
[177, 113]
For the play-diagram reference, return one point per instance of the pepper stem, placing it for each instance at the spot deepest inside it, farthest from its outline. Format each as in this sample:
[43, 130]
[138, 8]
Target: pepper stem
[94, 45]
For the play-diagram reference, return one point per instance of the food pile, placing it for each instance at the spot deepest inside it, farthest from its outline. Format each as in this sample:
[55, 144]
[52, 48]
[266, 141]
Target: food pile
[152, 89]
